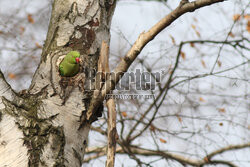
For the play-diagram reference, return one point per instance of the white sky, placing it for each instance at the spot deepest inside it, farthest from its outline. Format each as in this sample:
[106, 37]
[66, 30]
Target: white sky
[130, 19]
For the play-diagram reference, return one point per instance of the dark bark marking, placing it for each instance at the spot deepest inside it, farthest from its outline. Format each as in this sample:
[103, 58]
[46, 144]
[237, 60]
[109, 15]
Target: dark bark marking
[85, 42]
[37, 130]
[127, 60]
[93, 23]
[77, 156]
[113, 134]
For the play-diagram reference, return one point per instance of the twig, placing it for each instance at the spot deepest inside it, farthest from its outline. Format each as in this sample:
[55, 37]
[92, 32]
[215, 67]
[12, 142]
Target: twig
[179, 158]
[219, 53]
[140, 43]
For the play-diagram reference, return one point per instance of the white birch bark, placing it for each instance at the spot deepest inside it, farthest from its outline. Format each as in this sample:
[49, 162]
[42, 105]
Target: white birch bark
[41, 126]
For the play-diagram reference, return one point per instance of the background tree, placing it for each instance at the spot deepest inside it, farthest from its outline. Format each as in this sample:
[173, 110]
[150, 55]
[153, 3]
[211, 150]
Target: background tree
[159, 128]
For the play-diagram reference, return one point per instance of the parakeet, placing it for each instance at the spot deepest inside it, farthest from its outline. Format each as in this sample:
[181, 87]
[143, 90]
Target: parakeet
[69, 66]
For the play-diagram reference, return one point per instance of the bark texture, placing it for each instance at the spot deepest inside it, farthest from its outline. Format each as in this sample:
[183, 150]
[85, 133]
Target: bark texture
[41, 126]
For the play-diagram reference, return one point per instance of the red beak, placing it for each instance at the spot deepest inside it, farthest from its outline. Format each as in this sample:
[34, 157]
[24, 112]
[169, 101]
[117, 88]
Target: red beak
[77, 60]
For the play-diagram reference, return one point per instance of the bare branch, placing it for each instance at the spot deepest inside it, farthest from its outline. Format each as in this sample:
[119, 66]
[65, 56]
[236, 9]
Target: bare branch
[101, 151]
[103, 66]
[145, 38]
[219, 53]
[163, 92]
[181, 159]
[230, 147]
[112, 133]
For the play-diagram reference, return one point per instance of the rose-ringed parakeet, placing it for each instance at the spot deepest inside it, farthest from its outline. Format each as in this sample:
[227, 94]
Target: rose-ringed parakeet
[69, 66]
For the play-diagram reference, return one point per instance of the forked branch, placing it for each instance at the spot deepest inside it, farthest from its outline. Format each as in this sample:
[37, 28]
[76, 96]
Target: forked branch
[173, 156]
[141, 42]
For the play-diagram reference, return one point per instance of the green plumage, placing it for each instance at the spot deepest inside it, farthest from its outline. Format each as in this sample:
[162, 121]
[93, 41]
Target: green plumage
[69, 67]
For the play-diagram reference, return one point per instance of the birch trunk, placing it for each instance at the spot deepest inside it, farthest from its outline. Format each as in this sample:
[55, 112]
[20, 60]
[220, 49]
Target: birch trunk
[41, 126]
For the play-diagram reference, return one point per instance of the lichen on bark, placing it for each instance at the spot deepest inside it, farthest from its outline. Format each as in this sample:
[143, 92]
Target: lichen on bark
[36, 130]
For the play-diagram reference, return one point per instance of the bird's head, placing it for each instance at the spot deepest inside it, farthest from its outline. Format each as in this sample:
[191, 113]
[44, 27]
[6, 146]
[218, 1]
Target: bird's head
[73, 57]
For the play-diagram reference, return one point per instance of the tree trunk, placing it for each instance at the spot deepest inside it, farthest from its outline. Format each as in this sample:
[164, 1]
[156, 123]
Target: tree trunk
[41, 126]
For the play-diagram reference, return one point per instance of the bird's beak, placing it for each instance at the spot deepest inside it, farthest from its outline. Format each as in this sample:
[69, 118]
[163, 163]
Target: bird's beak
[77, 60]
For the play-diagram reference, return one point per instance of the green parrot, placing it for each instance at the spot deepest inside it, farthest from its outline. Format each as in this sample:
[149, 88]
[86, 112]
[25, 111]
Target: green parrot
[69, 66]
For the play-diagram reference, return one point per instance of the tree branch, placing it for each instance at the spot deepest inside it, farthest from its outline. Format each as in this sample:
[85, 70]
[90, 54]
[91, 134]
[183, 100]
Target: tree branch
[145, 38]
[179, 158]
[112, 133]
[163, 92]
[230, 147]
[103, 67]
